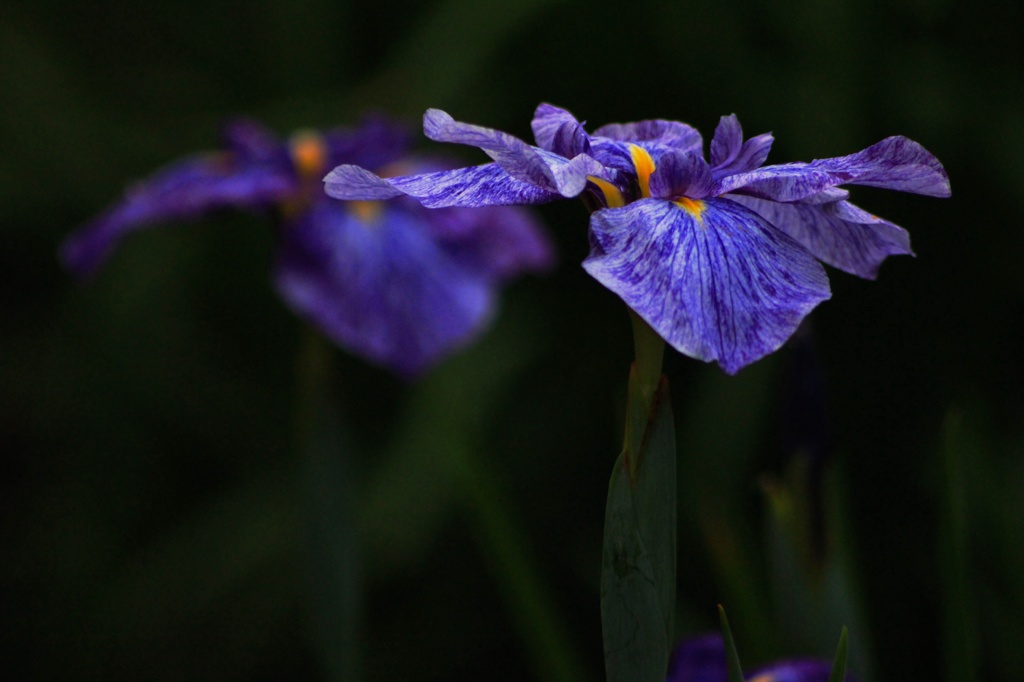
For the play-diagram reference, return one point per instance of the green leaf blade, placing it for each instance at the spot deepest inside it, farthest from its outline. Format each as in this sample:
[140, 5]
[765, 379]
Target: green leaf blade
[732, 657]
[839, 664]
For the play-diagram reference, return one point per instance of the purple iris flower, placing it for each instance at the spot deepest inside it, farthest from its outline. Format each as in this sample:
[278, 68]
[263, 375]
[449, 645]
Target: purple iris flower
[702, 659]
[720, 258]
[396, 284]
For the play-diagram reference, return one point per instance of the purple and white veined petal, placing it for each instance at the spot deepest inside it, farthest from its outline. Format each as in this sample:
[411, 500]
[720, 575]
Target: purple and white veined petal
[354, 183]
[669, 133]
[681, 173]
[839, 233]
[185, 190]
[381, 288]
[730, 154]
[615, 157]
[727, 141]
[715, 280]
[529, 164]
[486, 185]
[896, 163]
[827, 196]
[558, 131]
[783, 182]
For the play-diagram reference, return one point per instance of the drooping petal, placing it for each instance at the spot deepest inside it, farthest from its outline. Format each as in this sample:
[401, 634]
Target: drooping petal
[783, 182]
[526, 163]
[558, 131]
[486, 185]
[669, 133]
[730, 154]
[681, 173]
[713, 278]
[185, 190]
[381, 287]
[355, 183]
[894, 163]
[837, 233]
[827, 196]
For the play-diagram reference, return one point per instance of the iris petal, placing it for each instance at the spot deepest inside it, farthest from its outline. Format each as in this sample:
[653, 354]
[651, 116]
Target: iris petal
[182, 191]
[558, 131]
[358, 184]
[486, 185]
[894, 163]
[727, 287]
[827, 196]
[727, 140]
[680, 173]
[544, 169]
[838, 233]
[703, 659]
[784, 182]
[670, 133]
[730, 154]
[385, 290]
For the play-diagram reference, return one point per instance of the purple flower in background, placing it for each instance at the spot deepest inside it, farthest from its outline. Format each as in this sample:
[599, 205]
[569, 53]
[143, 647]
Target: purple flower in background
[396, 284]
[702, 659]
[720, 258]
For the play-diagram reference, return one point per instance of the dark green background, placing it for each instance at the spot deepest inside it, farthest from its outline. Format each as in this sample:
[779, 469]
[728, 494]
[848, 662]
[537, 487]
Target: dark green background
[153, 510]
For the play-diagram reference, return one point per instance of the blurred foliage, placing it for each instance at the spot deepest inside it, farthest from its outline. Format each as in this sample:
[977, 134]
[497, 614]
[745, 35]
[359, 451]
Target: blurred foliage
[152, 500]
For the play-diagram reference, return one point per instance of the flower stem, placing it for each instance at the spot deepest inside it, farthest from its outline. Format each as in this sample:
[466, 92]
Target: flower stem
[328, 497]
[649, 351]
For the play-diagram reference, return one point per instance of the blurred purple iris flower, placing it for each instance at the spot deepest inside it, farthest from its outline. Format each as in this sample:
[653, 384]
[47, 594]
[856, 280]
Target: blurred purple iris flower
[702, 659]
[396, 284]
[721, 258]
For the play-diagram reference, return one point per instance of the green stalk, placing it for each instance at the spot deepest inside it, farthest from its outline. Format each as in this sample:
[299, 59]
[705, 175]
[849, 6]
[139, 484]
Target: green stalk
[638, 574]
[960, 618]
[328, 497]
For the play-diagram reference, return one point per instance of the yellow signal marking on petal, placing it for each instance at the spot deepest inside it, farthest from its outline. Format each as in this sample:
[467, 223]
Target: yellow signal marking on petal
[366, 211]
[694, 207]
[309, 153]
[612, 196]
[644, 165]
[765, 677]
